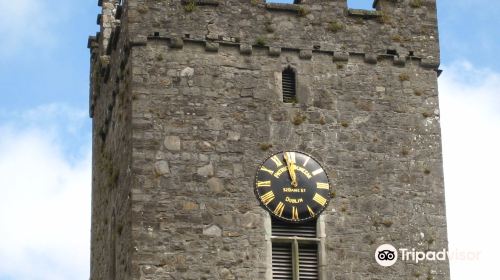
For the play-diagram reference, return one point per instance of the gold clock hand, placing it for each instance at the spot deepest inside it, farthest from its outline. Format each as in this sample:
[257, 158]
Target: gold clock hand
[291, 170]
[294, 176]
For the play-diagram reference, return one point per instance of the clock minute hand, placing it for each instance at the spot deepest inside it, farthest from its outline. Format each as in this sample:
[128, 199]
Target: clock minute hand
[291, 170]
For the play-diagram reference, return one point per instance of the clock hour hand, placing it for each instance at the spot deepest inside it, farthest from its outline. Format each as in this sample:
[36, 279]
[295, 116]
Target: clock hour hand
[291, 170]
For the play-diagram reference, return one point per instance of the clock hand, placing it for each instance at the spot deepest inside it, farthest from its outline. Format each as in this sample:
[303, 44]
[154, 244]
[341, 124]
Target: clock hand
[291, 170]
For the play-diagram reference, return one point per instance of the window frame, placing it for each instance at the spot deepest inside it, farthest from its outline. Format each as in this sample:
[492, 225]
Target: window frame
[295, 241]
[294, 97]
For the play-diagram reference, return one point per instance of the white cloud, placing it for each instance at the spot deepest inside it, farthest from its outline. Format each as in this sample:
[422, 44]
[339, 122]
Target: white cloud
[59, 118]
[69, 126]
[470, 119]
[26, 24]
[45, 201]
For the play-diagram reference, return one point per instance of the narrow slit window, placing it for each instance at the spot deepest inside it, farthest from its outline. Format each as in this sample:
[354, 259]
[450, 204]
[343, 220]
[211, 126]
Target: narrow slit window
[294, 251]
[289, 85]
[112, 247]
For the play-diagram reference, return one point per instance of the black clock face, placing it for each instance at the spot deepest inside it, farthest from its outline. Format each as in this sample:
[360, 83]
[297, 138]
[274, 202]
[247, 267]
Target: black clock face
[292, 186]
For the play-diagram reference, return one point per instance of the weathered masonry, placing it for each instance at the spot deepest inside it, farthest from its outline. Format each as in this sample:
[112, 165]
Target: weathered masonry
[189, 97]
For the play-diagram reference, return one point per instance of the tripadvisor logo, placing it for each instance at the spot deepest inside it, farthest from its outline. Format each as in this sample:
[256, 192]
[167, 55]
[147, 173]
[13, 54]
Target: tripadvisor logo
[387, 255]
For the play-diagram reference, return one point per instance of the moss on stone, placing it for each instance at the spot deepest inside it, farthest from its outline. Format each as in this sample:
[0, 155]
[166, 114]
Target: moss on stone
[190, 6]
[404, 77]
[335, 26]
[416, 3]
[260, 41]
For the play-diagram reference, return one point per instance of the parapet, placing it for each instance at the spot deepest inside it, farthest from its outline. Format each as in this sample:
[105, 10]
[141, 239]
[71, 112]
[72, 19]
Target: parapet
[404, 25]
[337, 56]
[407, 26]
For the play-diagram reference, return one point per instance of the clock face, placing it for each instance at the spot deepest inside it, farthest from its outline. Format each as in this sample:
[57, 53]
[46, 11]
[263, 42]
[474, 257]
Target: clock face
[292, 186]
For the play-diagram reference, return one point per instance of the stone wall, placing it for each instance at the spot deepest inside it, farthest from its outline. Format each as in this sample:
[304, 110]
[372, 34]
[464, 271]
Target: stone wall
[213, 117]
[110, 109]
[189, 103]
[401, 25]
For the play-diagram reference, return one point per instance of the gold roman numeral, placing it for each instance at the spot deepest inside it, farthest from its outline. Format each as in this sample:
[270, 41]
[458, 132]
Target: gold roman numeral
[324, 186]
[295, 213]
[263, 184]
[277, 161]
[311, 212]
[267, 197]
[291, 157]
[279, 209]
[319, 199]
[306, 161]
[263, 168]
[317, 171]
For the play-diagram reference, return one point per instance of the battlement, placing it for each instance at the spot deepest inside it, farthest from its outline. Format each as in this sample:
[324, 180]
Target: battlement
[407, 26]
[400, 31]
[305, 54]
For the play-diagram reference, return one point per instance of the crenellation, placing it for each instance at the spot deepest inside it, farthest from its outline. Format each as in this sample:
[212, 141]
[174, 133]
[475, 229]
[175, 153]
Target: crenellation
[284, 26]
[337, 56]
[107, 21]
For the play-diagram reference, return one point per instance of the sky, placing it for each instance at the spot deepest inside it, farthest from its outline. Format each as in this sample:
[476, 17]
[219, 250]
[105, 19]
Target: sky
[45, 140]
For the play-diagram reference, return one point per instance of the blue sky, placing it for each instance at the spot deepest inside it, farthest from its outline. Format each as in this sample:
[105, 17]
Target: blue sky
[45, 135]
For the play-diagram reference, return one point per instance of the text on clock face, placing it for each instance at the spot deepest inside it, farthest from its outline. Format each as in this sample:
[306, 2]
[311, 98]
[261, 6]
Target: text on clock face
[292, 186]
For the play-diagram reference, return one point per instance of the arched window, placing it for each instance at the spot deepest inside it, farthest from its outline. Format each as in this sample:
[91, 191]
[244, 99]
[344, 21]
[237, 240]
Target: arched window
[289, 85]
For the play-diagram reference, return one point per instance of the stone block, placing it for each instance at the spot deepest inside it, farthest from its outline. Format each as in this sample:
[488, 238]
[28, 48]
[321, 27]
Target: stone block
[340, 56]
[246, 49]
[162, 168]
[212, 230]
[215, 185]
[176, 43]
[399, 61]
[211, 46]
[187, 72]
[274, 51]
[206, 171]
[371, 58]
[172, 143]
[305, 54]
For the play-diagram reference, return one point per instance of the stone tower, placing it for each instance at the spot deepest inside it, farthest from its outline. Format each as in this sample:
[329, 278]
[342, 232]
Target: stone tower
[188, 97]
